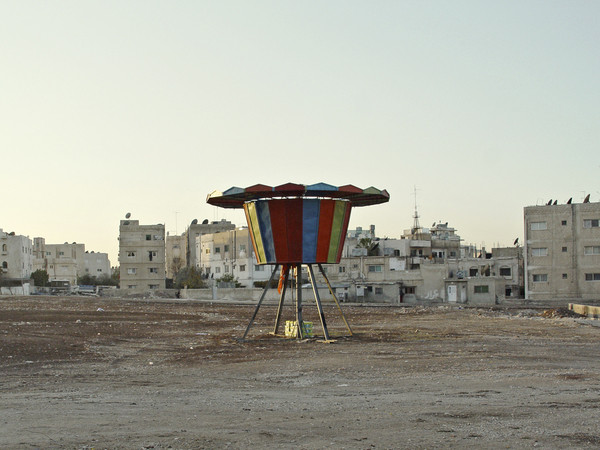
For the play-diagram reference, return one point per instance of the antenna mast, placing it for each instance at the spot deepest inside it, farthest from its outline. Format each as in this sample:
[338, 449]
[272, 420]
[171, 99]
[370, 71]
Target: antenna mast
[416, 226]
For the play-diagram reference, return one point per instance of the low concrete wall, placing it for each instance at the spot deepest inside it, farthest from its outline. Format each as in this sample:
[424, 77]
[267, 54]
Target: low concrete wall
[251, 294]
[585, 310]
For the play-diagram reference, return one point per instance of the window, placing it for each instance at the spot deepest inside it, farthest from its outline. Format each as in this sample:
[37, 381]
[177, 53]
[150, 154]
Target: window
[226, 248]
[148, 237]
[452, 254]
[563, 223]
[131, 254]
[98, 270]
[242, 247]
[131, 271]
[539, 251]
[5, 265]
[175, 246]
[592, 277]
[564, 275]
[4, 249]
[564, 249]
[242, 267]
[484, 289]
[217, 249]
[258, 268]
[151, 255]
[217, 270]
[590, 223]
[473, 271]
[87, 270]
[153, 286]
[341, 269]
[153, 269]
[537, 226]
[355, 266]
[226, 269]
[410, 290]
[207, 251]
[540, 278]
[375, 268]
[505, 272]
[379, 291]
[131, 286]
[591, 250]
[61, 253]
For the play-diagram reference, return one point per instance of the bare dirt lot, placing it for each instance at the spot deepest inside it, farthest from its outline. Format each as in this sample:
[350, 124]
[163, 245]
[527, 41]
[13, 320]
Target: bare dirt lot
[104, 373]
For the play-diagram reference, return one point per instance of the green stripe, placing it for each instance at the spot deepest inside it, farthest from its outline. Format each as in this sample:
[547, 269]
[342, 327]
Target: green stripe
[336, 230]
[256, 233]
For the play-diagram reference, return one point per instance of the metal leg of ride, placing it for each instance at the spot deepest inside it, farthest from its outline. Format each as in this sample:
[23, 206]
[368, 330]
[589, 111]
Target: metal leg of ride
[299, 321]
[335, 299]
[311, 276]
[262, 297]
[281, 298]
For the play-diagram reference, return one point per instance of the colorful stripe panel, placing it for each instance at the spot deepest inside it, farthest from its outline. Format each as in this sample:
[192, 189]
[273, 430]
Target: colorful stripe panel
[298, 230]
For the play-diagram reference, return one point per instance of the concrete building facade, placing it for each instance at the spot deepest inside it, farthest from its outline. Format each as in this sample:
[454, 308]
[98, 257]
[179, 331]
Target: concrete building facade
[16, 257]
[562, 251]
[176, 254]
[66, 262]
[197, 230]
[141, 256]
[231, 252]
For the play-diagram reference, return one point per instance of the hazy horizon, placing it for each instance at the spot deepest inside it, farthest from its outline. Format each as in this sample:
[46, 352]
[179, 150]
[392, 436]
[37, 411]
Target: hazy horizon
[146, 107]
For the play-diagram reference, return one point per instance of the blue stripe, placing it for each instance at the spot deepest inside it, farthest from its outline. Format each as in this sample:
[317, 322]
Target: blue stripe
[264, 221]
[310, 230]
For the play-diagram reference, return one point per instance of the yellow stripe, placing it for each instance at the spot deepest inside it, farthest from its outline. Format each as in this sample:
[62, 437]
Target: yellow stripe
[253, 219]
[336, 230]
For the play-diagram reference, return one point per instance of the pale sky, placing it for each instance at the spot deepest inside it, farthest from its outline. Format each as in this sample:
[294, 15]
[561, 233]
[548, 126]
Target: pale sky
[109, 107]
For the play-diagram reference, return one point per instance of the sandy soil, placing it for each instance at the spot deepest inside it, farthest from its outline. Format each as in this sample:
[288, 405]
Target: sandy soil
[103, 373]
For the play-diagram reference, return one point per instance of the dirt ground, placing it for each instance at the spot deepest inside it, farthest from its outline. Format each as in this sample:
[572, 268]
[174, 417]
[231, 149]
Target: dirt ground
[106, 373]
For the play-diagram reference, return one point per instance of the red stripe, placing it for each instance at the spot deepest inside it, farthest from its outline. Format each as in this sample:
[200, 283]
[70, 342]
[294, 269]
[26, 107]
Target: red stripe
[279, 227]
[325, 222]
[293, 210]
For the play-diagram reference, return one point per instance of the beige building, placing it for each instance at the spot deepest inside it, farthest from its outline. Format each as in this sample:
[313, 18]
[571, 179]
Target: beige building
[562, 251]
[176, 259]
[141, 256]
[66, 262]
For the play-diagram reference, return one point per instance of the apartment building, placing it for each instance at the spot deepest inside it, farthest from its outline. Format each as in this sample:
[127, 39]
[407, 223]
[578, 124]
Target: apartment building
[16, 257]
[231, 253]
[141, 256]
[197, 230]
[562, 251]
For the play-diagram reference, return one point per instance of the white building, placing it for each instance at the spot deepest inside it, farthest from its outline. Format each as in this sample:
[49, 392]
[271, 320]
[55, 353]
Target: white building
[231, 253]
[16, 256]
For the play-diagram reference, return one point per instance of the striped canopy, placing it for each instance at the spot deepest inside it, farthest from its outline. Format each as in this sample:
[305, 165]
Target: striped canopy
[294, 223]
[235, 197]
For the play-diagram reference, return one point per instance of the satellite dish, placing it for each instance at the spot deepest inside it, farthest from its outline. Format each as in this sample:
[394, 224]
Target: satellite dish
[569, 201]
[549, 203]
[516, 241]
[128, 215]
[205, 222]
[586, 199]
[555, 202]
[194, 222]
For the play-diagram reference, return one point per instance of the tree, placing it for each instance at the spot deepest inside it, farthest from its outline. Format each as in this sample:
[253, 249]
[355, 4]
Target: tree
[228, 278]
[190, 277]
[40, 277]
